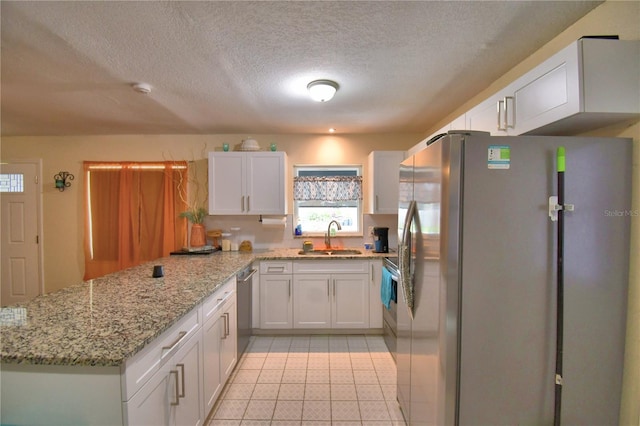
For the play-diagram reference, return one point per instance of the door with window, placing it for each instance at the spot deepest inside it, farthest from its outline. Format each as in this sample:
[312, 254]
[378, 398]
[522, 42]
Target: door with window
[21, 267]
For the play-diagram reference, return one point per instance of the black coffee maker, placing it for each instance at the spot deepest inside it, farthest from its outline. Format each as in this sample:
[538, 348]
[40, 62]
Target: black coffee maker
[380, 240]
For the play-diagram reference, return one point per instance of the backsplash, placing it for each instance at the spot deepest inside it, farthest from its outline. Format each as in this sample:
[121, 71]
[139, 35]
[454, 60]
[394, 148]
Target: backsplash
[270, 236]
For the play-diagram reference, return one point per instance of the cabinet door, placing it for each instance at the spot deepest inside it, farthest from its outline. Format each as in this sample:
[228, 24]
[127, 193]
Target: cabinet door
[486, 117]
[151, 405]
[383, 171]
[548, 93]
[226, 183]
[375, 303]
[187, 365]
[350, 301]
[311, 301]
[265, 183]
[229, 341]
[276, 301]
[212, 333]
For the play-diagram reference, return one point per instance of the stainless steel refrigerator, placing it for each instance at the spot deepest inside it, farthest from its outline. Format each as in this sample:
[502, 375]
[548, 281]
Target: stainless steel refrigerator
[477, 319]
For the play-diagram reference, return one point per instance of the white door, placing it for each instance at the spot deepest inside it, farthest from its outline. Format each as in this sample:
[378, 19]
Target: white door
[21, 277]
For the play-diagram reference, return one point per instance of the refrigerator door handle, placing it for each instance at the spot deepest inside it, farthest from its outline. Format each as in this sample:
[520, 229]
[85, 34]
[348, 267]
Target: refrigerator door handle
[404, 258]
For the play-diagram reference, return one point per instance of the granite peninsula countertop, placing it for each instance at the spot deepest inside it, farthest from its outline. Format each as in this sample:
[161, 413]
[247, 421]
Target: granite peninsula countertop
[104, 321]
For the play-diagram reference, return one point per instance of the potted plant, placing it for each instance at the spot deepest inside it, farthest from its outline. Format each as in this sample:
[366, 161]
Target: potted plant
[196, 216]
[194, 195]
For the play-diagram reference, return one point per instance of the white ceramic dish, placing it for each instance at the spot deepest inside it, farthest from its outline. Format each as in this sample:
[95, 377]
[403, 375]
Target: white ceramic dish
[250, 145]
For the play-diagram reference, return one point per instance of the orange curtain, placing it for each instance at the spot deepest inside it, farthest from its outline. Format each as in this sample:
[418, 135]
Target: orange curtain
[131, 214]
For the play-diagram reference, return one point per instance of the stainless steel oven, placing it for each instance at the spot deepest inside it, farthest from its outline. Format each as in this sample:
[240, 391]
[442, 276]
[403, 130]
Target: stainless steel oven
[389, 316]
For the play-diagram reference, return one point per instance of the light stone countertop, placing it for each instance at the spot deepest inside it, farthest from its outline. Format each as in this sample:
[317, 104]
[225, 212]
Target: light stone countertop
[104, 321]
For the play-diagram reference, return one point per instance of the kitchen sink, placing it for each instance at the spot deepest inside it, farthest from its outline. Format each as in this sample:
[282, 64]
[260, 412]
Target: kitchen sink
[330, 252]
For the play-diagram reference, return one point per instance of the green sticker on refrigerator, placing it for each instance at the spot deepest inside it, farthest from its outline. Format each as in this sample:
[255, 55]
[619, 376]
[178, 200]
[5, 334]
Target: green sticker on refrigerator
[499, 157]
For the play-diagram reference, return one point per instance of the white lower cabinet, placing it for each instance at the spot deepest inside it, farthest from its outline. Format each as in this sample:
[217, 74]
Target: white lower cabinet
[229, 339]
[331, 301]
[276, 307]
[331, 294]
[190, 365]
[312, 301]
[173, 394]
[218, 342]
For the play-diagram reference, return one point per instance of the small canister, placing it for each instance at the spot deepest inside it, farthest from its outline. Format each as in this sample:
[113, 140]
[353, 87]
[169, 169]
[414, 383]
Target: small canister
[235, 238]
[226, 242]
[307, 246]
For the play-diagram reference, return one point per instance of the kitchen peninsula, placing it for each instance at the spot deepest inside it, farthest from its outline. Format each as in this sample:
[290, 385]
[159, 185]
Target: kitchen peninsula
[65, 355]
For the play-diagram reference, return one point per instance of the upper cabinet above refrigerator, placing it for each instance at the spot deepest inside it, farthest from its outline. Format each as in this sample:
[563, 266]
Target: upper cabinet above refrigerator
[589, 84]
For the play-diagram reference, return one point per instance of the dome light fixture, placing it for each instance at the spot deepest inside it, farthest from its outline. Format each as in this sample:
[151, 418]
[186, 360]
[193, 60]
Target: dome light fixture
[322, 90]
[144, 88]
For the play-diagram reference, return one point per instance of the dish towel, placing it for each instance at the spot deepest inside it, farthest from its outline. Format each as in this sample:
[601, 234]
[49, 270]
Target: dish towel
[386, 288]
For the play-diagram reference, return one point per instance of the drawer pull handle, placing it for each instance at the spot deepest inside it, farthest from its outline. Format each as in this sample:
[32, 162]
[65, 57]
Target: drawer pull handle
[227, 325]
[177, 395]
[175, 342]
[181, 366]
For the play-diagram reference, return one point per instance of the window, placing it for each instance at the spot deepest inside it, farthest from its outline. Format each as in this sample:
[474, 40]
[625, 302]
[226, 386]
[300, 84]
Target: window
[323, 194]
[11, 182]
[132, 213]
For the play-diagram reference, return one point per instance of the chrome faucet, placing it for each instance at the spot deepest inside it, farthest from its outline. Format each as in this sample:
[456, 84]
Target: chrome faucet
[327, 236]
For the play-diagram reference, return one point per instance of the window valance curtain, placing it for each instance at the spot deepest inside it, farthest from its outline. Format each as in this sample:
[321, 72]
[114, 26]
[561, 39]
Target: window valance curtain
[132, 213]
[327, 188]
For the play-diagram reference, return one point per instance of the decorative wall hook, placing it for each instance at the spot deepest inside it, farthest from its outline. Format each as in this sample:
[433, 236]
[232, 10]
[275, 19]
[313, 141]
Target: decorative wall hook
[62, 179]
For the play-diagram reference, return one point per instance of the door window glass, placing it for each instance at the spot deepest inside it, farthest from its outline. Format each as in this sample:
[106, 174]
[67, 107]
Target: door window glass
[11, 182]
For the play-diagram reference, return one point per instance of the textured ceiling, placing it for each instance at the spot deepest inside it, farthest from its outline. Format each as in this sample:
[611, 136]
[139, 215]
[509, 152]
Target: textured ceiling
[243, 67]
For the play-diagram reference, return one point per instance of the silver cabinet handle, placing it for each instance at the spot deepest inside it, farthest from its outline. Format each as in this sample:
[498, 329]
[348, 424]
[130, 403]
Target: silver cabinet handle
[227, 324]
[242, 203]
[177, 395]
[224, 331]
[499, 119]
[248, 203]
[334, 288]
[506, 113]
[174, 343]
[328, 295]
[289, 289]
[181, 394]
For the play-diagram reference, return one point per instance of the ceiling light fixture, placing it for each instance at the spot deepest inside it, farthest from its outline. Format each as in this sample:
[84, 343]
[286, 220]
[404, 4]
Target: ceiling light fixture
[322, 90]
[144, 88]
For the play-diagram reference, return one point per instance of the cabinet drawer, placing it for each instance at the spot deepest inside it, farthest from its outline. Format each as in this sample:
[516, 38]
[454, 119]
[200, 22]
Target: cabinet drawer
[330, 266]
[214, 302]
[275, 267]
[140, 368]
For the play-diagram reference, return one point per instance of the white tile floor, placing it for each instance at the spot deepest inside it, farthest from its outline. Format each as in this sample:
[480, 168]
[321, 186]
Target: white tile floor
[311, 380]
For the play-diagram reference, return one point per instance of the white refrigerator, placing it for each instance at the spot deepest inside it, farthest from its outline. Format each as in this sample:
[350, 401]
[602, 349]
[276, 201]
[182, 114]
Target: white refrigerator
[478, 309]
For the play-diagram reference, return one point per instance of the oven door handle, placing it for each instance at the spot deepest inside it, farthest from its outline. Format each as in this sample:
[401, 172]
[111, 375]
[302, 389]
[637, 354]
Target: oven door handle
[394, 273]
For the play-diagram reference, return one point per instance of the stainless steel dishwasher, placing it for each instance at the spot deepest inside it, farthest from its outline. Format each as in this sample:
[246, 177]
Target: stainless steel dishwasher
[244, 300]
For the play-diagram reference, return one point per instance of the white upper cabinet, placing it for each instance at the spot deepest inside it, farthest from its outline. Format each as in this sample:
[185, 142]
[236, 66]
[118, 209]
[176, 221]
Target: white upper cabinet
[589, 84]
[242, 183]
[383, 181]
[486, 116]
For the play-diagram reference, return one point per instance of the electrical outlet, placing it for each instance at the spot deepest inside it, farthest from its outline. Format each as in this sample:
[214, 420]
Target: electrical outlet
[371, 231]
